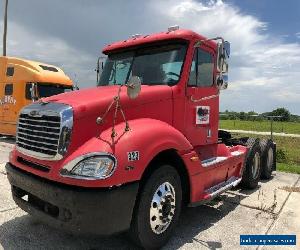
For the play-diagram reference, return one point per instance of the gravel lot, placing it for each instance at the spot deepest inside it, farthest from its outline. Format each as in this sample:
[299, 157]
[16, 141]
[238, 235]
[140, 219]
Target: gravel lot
[218, 225]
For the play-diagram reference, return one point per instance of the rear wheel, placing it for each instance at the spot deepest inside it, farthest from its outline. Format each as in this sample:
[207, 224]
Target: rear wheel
[157, 209]
[252, 169]
[267, 158]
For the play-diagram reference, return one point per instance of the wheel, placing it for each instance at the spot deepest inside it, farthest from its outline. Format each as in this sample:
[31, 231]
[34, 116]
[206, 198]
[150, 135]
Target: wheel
[157, 209]
[252, 169]
[267, 158]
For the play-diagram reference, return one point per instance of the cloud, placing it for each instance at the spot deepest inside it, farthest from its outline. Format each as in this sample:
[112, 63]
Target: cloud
[48, 49]
[264, 70]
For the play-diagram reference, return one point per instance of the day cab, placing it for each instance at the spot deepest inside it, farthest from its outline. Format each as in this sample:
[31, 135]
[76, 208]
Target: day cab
[128, 154]
[21, 83]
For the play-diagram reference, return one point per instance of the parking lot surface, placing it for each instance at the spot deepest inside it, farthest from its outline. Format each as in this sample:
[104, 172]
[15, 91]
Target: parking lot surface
[271, 209]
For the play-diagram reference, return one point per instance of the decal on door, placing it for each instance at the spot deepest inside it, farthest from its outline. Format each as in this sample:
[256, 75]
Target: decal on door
[7, 99]
[133, 156]
[202, 114]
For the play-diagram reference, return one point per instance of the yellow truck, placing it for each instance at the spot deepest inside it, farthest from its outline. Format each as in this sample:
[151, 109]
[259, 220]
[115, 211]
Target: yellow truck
[23, 82]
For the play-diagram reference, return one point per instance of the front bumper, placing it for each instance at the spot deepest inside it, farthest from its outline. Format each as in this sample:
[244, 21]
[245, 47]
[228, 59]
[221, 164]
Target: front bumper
[101, 211]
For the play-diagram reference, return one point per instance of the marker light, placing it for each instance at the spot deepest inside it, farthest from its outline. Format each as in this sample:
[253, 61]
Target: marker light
[173, 28]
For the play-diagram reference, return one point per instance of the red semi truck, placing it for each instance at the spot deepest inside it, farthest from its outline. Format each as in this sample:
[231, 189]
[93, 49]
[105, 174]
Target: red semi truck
[128, 154]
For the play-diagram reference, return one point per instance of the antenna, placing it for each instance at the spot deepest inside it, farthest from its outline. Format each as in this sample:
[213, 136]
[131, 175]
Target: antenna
[75, 82]
[5, 28]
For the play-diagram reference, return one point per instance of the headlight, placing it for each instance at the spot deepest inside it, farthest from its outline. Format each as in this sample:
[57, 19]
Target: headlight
[90, 166]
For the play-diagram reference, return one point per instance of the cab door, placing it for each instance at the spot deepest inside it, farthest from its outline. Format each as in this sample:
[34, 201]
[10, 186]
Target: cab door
[202, 104]
[202, 115]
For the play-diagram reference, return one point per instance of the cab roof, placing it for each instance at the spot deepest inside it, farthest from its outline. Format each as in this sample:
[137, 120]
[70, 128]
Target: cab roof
[180, 34]
[28, 70]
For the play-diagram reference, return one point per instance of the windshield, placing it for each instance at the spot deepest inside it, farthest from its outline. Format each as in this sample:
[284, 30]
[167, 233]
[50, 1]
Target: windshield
[47, 89]
[52, 89]
[159, 65]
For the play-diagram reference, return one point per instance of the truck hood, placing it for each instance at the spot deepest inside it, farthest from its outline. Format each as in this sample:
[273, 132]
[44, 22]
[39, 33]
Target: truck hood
[96, 100]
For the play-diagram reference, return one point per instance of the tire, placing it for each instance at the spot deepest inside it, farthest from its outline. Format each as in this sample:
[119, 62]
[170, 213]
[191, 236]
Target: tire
[147, 229]
[225, 135]
[252, 168]
[267, 158]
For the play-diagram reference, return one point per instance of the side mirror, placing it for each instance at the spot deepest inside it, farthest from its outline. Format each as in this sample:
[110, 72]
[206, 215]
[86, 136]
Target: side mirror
[220, 58]
[133, 87]
[99, 67]
[223, 55]
[222, 82]
[75, 87]
[34, 92]
[227, 48]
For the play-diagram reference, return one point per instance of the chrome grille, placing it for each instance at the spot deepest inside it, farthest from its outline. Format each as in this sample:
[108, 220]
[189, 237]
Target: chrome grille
[39, 134]
[44, 130]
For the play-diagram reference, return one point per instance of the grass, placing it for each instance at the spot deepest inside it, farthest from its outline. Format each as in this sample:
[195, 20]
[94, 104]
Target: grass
[288, 152]
[290, 147]
[280, 127]
[289, 168]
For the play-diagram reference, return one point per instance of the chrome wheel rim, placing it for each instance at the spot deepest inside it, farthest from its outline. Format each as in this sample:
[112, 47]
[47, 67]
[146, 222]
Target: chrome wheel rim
[255, 165]
[162, 208]
[270, 159]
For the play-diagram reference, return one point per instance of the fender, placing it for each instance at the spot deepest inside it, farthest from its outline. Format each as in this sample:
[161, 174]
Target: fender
[147, 137]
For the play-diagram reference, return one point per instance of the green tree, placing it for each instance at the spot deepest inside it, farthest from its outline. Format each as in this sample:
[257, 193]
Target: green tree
[283, 112]
[243, 116]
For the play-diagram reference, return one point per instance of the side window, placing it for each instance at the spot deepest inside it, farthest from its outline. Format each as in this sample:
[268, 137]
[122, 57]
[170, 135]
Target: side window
[193, 72]
[120, 71]
[205, 69]
[10, 71]
[28, 91]
[9, 88]
[202, 75]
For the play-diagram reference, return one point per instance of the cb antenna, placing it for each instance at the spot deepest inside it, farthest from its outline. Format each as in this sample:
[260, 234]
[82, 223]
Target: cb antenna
[75, 82]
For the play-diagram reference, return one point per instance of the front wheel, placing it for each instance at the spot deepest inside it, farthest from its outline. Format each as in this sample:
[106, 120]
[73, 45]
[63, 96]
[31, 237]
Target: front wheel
[157, 209]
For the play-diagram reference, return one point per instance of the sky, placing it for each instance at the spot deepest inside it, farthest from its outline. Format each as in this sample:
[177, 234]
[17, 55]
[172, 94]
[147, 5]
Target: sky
[264, 68]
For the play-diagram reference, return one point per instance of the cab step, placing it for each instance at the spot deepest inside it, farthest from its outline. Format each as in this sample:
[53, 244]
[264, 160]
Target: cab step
[222, 187]
[213, 161]
[214, 191]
